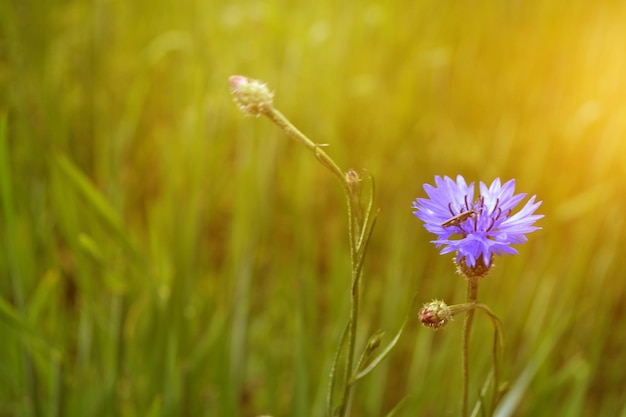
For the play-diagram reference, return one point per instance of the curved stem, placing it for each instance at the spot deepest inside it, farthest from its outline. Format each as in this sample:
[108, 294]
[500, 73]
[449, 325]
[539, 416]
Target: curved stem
[498, 347]
[356, 231]
[293, 132]
[471, 296]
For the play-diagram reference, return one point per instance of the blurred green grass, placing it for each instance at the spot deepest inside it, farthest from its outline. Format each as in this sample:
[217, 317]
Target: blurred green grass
[161, 254]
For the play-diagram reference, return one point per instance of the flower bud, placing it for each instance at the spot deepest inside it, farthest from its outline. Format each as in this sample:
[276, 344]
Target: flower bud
[353, 177]
[373, 343]
[435, 314]
[253, 97]
[354, 180]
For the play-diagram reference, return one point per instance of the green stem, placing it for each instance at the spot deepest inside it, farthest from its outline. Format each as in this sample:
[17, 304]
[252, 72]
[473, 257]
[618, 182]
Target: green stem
[293, 132]
[354, 308]
[355, 231]
[359, 244]
[472, 294]
[498, 346]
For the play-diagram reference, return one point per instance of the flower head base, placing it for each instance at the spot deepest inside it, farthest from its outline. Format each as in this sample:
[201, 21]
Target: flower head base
[476, 228]
[253, 97]
[475, 272]
[435, 314]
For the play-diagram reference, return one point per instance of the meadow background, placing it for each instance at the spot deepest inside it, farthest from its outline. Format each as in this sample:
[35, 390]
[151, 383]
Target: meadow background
[163, 255]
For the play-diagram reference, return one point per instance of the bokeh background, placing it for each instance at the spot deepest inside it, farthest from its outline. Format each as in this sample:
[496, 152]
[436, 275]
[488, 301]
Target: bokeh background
[162, 254]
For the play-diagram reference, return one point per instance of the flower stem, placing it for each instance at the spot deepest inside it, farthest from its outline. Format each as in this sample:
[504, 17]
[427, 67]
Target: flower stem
[357, 226]
[293, 132]
[354, 309]
[471, 296]
[254, 98]
[498, 347]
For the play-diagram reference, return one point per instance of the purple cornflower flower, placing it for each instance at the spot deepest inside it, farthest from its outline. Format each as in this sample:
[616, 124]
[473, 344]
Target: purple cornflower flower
[476, 229]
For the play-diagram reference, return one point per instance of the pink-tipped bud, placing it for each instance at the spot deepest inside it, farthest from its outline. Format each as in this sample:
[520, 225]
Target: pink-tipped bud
[353, 179]
[435, 314]
[253, 97]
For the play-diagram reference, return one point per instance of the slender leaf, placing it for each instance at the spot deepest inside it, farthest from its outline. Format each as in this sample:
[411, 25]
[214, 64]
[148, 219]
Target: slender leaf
[330, 400]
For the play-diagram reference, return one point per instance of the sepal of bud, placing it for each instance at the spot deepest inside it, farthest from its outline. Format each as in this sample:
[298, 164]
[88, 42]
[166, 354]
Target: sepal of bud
[253, 97]
[435, 314]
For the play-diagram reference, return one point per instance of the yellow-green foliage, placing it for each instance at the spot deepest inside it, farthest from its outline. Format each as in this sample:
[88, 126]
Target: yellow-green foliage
[161, 254]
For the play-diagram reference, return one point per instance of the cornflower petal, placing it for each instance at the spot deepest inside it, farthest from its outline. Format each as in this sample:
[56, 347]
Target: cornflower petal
[476, 229]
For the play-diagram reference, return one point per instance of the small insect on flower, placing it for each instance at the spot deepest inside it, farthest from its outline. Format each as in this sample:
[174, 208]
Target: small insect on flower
[495, 227]
[459, 218]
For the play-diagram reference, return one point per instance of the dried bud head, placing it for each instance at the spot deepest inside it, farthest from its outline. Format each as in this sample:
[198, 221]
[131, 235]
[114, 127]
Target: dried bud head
[253, 97]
